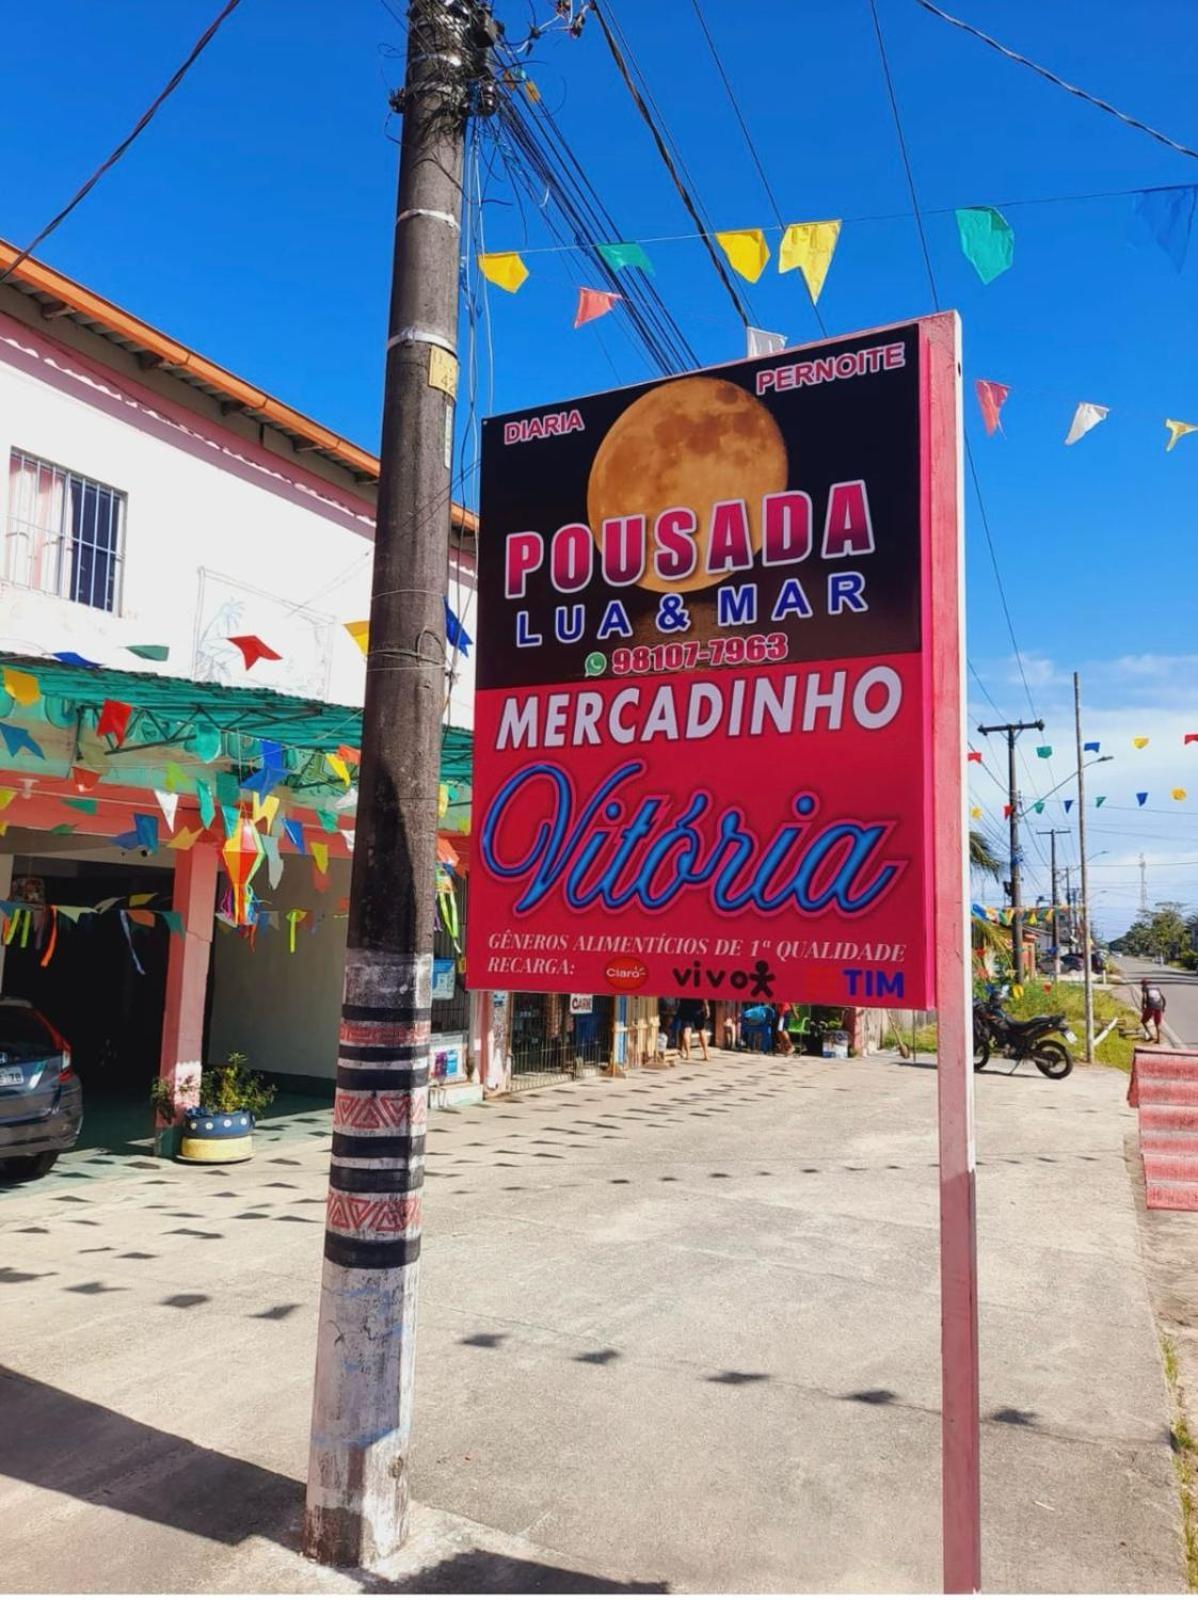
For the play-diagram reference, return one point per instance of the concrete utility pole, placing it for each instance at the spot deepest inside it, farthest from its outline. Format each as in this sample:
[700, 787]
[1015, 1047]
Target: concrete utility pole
[1143, 885]
[1056, 913]
[1087, 976]
[357, 1504]
[1012, 731]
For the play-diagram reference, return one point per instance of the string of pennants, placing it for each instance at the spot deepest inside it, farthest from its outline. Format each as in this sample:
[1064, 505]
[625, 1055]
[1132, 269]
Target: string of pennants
[1091, 747]
[1162, 216]
[1032, 915]
[993, 396]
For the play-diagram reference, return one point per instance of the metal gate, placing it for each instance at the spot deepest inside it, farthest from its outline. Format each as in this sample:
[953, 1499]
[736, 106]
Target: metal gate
[549, 1044]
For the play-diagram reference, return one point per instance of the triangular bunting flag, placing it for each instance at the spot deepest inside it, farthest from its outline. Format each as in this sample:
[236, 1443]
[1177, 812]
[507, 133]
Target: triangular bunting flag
[455, 633]
[7, 796]
[1068, 806]
[204, 800]
[274, 861]
[1044, 751]
[359, 632]
[295, 832]
[1006, 810]
[168, 804]
[339, 767]
[1086, 416]
[504, 268]
[174, 777]
[72, 658]
[17, 739]
[987, 240]
[327, 820]
[975, 812]
[974, 755]
[320, 854]
[88, 807]
[253, 649]
[760, 343]
[174, 921]
[625, 254]
[1178, 430]
[1093, 744]
[231, 817]
[1098, 799]
[267, 808]
[1166, 216]
[1177, 794]
[184, 839]
[810, 247]
[23, 686]
[594, 303]
[1141, 797]
[84, 777]
[991, 399]
[1190, 738]
[150, 652]
[746, 250]
[114, 719]
[1140, 741]
[147, 830]
[1038, 806]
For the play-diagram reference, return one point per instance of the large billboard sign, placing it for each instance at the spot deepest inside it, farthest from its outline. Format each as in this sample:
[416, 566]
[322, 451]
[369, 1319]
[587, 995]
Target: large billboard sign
[710, 628]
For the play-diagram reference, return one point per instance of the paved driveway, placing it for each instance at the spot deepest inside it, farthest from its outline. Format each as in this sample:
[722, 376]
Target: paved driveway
[677, 1331]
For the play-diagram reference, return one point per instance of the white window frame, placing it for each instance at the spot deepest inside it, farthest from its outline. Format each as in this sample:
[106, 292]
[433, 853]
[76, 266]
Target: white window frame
[65, 533]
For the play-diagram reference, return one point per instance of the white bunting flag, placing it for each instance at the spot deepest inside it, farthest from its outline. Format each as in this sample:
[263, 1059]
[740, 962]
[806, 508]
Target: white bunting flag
[169, 804]
[1086, 416]
[761, 343]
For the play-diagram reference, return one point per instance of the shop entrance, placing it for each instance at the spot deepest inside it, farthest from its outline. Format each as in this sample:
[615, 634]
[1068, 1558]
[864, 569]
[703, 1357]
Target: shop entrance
[92, 990]
[559, 1036]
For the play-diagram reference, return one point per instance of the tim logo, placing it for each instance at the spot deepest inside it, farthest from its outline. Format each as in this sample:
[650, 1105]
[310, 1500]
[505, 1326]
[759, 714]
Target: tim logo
[549, 426]
[758, 980]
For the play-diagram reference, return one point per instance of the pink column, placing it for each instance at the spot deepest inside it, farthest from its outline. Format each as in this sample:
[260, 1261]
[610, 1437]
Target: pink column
[187, 980]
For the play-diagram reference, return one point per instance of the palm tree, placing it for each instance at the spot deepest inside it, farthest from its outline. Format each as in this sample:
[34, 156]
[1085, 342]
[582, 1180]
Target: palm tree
[981, 855]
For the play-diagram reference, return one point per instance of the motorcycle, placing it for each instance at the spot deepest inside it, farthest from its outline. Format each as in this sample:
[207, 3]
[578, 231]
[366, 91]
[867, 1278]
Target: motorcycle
[1021, 1039]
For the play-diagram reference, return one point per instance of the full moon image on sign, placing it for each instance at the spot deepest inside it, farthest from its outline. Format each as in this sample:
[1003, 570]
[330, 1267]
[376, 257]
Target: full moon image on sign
[688, 443]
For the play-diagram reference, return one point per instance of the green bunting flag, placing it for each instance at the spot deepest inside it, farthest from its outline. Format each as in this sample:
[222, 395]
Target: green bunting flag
[625, 254]
[987, 240]
[1044, 751]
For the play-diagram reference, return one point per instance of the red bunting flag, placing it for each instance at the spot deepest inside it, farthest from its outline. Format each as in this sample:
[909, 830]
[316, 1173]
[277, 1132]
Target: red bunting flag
[991, 398]
[594, 303]
[974, 755]
[114, 719]
[1006, 810]
[84, 777]
[1190, 738]
[253, 649]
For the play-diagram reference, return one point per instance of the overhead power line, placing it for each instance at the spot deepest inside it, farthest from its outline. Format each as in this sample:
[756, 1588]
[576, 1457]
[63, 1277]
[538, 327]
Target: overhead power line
[663, 151]
[1061, 83]
[139, 127]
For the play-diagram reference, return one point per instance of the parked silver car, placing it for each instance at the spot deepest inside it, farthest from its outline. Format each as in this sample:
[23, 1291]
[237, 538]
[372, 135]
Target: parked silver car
[41, 1099]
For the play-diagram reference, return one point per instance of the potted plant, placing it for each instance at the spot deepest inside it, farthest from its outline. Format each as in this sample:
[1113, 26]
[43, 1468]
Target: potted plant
[221, 1127]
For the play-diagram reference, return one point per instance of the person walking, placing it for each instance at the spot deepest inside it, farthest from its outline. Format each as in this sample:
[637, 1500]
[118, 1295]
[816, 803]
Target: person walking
[783, 1045]
[1152, 1010]
[692, 1017]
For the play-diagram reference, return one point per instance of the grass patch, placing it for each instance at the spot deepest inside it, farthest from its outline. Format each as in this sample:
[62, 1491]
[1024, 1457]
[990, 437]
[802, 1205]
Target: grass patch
[1185, 1464]
[924, 1039]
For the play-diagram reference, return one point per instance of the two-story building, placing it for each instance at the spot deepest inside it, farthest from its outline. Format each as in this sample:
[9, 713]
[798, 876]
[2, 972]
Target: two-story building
[184, 572]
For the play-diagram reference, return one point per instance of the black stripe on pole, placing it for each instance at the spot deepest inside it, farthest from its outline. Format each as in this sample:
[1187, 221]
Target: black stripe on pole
[406, 1013]
[349, 1144]
[375, 1180]
[382, 1052]
[382, 1078]
[378, 1254]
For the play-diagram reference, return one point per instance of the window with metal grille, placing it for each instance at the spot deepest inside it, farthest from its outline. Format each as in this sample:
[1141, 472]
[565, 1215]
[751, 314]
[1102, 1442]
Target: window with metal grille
[65, 535]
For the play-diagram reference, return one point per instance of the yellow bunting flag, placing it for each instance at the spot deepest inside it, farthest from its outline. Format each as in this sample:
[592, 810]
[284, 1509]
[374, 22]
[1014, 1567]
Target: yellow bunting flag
[1178, 794]
[746, 250]
[7, 796]
[1178, 430]
[267, 807]
[320, 854]
[975, 812]
[1140, 741]
[293, 917]
[442, 799]
[184, 839]
[23, 686]
[810, 247]
[359, 632]
[339, 767]
[504, 268]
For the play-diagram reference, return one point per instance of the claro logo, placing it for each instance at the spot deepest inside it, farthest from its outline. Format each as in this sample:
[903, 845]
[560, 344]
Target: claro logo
[626, 974]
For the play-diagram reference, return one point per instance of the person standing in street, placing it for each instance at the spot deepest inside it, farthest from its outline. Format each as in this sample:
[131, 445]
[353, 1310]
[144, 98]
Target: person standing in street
[1152, 1010]
[692, 1016]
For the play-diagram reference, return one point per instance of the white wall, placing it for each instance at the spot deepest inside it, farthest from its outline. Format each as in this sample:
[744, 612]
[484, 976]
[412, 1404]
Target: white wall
[221, 535]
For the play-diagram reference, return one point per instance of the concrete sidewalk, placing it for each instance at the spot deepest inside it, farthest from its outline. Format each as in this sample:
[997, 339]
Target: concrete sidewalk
[677, 1332]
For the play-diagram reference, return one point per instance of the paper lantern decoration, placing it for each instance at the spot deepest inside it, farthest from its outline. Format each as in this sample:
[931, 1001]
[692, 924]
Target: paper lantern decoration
[242, 854]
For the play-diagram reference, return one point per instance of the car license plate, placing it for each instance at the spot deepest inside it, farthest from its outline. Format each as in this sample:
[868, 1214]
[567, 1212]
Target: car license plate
[1071, 1036]
[10, 1076]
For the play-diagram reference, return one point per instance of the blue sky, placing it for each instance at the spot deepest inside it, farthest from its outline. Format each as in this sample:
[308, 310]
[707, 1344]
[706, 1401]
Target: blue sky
[253, 221]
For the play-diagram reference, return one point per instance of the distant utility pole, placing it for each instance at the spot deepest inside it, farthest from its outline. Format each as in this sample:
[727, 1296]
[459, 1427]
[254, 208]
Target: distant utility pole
[1087, 976]
[1143, 885]
[358, 1474]
[1012, 731]
[1056, 913]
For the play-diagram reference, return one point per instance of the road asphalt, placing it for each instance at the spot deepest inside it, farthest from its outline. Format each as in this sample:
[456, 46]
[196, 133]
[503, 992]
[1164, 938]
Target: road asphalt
[677, 1332]
[1180, 990]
